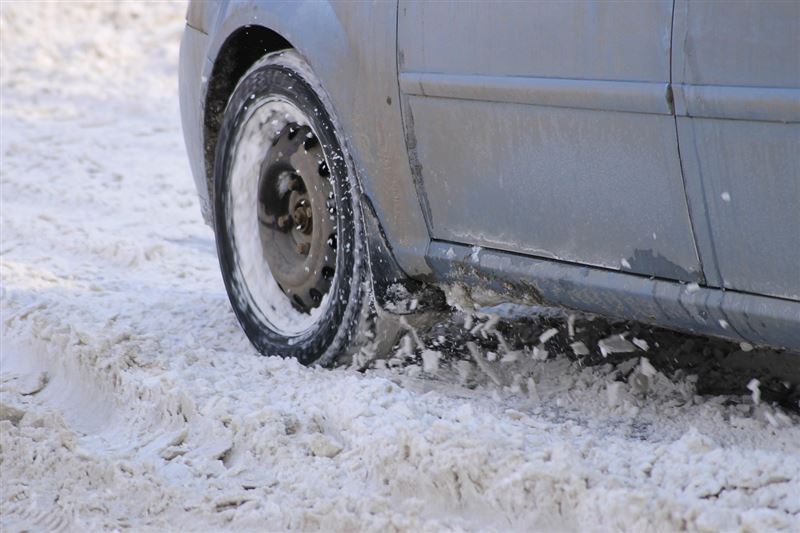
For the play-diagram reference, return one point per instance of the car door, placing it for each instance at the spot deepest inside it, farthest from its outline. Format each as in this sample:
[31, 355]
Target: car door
[546, 128]
[737, 97]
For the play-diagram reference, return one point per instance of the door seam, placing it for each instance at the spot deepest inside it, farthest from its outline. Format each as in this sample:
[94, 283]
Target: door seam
[671, 100]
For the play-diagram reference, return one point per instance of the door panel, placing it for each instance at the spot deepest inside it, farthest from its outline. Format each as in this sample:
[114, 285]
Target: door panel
[568, 183]
[580, 39]
[545, 128]
[737, 97]
[746, 175]
[742, 43]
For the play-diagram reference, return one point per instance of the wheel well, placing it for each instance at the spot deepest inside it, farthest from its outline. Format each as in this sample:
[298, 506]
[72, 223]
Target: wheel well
[240, 51]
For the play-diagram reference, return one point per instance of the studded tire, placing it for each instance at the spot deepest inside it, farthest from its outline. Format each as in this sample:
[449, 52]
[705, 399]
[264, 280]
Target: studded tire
[289, 230]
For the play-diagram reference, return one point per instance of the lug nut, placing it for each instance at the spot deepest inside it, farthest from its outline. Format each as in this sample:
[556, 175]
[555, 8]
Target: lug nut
[283, 221]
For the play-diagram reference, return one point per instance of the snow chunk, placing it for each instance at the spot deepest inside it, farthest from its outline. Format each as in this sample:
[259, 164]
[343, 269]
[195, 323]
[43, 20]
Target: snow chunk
[539, 354]
[547, 335]
[753, 387]
[430, 361]
[571, 326]
[616, 393]
[474, 255]
[646, 368]
[579, 348]
[323, 446]
[615, 344]
[464, 413]
[641, 344]
[694, 442]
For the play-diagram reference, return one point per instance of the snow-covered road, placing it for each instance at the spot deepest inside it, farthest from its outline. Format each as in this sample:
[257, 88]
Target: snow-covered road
[129, 397]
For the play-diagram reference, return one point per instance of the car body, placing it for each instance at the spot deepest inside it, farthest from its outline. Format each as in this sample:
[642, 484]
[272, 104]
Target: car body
[635, 160]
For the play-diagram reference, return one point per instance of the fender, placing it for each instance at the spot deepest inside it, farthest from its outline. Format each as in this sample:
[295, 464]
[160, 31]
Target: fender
[352, 48]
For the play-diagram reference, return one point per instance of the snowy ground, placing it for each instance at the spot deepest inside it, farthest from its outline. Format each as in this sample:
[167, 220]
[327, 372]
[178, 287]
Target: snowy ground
[130, 398]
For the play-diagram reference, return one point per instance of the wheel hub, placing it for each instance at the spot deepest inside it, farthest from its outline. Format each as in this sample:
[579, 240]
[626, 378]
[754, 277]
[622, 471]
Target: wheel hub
[297, 215]
[303, 217]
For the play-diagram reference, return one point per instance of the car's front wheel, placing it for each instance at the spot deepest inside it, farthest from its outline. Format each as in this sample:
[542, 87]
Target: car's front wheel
[288, 223]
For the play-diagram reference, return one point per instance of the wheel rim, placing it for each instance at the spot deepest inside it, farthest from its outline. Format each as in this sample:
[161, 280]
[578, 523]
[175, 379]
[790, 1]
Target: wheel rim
[297, 212]
[282, 217]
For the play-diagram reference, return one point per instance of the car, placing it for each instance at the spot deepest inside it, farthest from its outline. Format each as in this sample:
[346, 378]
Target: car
[366, 163]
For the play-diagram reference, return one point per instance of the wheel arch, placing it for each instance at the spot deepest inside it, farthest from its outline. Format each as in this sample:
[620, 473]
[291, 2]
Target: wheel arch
[352, 50]
[238, 52]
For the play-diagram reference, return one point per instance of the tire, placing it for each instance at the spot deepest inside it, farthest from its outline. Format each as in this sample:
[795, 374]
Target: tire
[288, 221]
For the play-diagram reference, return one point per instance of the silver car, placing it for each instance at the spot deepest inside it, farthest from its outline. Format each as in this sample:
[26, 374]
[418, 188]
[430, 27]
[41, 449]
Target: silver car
[362, 162]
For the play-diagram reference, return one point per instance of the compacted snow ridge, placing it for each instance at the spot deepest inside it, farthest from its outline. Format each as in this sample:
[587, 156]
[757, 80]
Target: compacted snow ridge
[129, 397]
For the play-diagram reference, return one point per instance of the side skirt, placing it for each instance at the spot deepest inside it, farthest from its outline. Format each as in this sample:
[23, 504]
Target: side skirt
[491, 276]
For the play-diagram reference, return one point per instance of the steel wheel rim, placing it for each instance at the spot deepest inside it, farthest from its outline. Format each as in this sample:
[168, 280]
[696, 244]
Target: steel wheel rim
[264, 161]
[297, 211]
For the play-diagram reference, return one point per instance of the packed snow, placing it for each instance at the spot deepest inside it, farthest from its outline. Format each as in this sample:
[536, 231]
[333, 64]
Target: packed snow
[130, 398]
